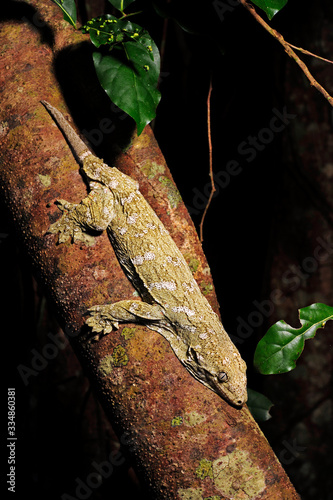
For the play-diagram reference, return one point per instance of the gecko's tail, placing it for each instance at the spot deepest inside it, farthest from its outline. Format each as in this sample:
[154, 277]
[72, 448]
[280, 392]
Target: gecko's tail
[79, 148]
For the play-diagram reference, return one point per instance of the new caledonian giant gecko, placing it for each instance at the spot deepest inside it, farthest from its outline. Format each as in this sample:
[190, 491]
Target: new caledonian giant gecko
[172, 303]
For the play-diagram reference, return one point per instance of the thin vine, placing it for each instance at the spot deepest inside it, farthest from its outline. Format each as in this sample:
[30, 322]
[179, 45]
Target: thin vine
[289, 50]
[210, 149]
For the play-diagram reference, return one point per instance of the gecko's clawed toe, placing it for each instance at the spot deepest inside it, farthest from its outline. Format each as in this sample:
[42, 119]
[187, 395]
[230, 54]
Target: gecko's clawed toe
[100, 323]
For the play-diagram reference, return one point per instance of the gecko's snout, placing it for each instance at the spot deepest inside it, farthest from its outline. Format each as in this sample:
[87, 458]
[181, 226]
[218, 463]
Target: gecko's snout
[242, 400]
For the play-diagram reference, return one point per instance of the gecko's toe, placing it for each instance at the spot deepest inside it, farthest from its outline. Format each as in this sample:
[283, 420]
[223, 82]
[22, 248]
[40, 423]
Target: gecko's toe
[93, 309]
[100, 324]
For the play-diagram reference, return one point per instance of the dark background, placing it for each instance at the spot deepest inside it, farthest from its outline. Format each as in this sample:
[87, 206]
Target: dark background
[265, 220]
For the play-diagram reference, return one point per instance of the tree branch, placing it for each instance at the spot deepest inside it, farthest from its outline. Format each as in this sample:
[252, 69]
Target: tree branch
[288, 49]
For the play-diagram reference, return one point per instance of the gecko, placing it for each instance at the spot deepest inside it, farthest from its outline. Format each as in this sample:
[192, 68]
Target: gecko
[171, 301]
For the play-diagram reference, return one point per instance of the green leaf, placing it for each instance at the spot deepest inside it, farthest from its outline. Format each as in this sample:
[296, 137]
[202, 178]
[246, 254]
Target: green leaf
[68, 8]
[259, 405]
[281, 346]
[129, 70]
[104, 30]
[271, 7]
[121, 4]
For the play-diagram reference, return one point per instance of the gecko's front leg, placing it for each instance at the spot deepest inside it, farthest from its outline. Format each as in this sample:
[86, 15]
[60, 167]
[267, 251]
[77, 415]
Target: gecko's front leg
[103, 318]
[93, 213]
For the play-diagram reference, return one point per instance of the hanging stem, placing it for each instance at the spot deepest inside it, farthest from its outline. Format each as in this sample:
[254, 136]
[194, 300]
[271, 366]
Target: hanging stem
[210, 149]
[308, 53]
[288, 49]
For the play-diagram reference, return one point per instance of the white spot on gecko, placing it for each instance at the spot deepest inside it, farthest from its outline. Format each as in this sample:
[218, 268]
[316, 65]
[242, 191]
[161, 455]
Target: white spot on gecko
[133, 307]
[184, 309]
[84, 155]
[141, 235]
[149, 256]
[131, 219]
[122, 230]
[163, 285]
[189, 287]
[189, 328]
[163, 230]
[128, 199]
[176, 261]
[139, 259]
[113, 184]
[107, 211]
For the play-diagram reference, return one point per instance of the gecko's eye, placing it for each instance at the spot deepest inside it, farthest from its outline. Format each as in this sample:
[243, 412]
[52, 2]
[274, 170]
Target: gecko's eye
[222, 377]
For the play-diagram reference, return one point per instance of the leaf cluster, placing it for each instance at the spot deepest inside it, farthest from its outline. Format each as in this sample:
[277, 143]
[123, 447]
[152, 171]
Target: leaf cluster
[280, 348]
[126, 58]
[270, 7]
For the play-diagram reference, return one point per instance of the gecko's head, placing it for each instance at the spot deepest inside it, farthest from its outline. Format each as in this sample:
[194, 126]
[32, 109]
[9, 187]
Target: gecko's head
[225, 375]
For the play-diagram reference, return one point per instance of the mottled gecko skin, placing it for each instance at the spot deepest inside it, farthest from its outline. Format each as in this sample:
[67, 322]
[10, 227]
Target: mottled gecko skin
[172, 303]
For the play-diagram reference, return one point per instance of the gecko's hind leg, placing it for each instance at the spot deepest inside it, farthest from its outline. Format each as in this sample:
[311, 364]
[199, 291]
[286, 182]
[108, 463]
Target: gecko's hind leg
[104, 318]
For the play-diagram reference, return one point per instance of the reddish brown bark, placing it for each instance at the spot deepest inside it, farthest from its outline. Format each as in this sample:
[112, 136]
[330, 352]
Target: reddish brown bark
[186, 442]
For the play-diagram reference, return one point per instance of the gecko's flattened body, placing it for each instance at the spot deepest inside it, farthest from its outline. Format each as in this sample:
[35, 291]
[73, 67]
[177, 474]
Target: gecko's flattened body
[172, 303]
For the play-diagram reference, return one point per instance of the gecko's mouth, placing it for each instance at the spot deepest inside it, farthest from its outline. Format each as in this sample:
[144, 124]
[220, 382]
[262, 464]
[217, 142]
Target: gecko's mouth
[234, 395]
[237, 400]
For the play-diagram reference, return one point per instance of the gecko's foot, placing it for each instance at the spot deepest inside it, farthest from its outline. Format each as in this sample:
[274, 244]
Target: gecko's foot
[68, 227]
[100, 320]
